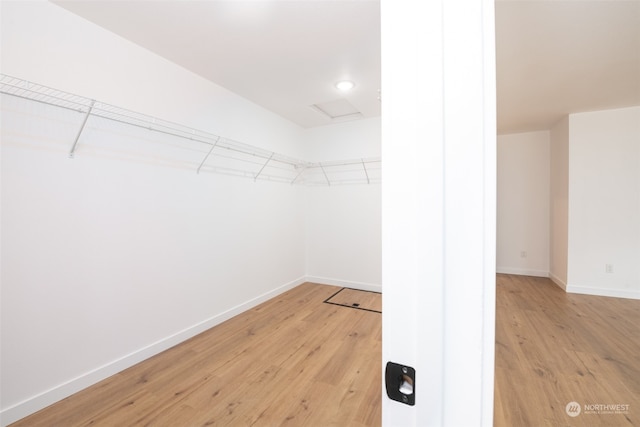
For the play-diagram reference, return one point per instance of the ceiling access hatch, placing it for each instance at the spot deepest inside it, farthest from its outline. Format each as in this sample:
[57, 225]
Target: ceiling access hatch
[338, 110]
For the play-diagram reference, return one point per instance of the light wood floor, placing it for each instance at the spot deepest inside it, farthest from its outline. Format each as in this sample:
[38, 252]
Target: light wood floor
[297, 361]
[553, 348]
[293, 360]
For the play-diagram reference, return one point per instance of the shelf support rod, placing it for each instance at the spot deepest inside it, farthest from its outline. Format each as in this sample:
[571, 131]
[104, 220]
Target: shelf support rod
[84, 122]
[207, 156]
[365, 171]
[263, 166]
[304, 168]
[325, 175]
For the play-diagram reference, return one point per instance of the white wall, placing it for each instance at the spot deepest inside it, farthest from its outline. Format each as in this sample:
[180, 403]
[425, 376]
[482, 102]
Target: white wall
[559, 200]
[576, 191]
[523, 204]
[107, 261]
[347, 140]
[604, 202]
[343, 241]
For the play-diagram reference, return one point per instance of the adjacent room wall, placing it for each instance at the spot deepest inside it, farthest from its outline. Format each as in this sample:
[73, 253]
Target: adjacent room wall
[604, 203]
[559, 223]
[576, 191]
[523, 204]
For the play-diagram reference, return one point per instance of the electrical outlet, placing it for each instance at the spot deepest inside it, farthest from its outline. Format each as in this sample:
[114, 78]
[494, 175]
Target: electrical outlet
[608, 268]
[523, 254]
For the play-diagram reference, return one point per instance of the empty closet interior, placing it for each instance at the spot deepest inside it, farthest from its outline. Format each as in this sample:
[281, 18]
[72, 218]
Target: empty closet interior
[144, 204]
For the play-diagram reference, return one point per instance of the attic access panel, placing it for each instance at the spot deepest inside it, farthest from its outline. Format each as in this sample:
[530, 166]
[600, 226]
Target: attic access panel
[340, 109]
[358, 299]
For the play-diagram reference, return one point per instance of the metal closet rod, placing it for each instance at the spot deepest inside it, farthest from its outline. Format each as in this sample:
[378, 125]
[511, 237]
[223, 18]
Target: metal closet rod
[360, 165]
[358, 162]
[218, 142]
[35, 92]
[24, 89]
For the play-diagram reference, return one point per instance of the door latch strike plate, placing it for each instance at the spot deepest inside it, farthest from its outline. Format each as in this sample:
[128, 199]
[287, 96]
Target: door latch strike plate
[400, 381]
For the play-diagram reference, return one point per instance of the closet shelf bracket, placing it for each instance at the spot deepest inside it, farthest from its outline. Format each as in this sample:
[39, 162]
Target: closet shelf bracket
[325, 175]
[84, 122]
[263, 166]
[365, 171]
[208, 154]
[302, 169]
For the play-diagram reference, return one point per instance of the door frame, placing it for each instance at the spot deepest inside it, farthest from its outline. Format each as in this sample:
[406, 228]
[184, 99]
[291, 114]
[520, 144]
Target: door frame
[438, 207]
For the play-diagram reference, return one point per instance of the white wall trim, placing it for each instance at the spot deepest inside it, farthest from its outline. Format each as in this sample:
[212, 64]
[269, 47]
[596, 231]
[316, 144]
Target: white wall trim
[561, 283]
[522, 271]
[603, 292]
[55, 394]
[345, 283]
[584, 290]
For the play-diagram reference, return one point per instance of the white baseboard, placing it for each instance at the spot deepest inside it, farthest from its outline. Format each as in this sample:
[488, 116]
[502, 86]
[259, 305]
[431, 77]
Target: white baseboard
[573, 289]
[345, 283]
[55, 394]
[604, 292]
[561, 283]
[522, 271]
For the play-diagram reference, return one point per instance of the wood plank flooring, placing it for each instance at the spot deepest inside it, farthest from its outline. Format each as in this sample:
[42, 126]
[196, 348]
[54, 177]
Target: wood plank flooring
[553, 348]
[297, 361]
[290, 361]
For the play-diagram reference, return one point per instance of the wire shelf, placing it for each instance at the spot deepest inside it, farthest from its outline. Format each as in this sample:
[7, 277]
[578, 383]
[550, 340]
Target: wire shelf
[221, 155]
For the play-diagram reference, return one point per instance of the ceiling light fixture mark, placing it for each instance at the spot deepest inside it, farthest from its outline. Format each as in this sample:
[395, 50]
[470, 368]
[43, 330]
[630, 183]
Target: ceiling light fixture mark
[345, 85]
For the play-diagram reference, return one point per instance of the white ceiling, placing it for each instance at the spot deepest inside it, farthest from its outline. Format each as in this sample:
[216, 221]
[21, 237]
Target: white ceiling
[561, 57]
[553, 57]
[282, 55]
